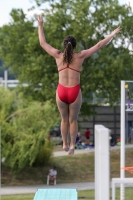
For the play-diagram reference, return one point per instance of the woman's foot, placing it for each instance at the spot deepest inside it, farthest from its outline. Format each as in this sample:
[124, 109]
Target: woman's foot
[71, 152]
[66, 148]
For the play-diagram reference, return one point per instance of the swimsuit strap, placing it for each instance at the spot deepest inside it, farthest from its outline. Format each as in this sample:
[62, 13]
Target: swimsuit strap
[69, 68]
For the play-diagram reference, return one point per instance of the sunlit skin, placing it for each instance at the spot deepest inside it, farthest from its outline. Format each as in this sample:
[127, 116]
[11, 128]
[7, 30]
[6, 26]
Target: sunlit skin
[69, 78]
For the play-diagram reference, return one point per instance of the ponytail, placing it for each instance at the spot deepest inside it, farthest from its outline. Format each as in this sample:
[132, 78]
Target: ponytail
[69, 45]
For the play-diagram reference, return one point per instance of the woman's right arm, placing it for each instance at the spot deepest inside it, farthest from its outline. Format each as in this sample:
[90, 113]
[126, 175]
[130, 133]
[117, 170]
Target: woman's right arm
[48, 48]
[87, 53]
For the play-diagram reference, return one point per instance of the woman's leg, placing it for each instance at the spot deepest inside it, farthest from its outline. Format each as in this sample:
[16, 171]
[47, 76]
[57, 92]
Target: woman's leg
[74, 109]
[63, 109]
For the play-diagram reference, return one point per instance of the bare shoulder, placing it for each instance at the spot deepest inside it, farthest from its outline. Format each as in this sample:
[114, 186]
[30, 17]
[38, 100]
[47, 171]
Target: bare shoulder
[60, 55]
[77, 60]
[79, 56]
[89, 52]
[59, 59]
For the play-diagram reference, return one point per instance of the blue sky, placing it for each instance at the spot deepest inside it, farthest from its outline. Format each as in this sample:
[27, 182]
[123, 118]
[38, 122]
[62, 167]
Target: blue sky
[7, 5]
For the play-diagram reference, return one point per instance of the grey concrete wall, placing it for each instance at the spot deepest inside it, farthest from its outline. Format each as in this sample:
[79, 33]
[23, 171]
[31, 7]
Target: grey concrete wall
[107, 116]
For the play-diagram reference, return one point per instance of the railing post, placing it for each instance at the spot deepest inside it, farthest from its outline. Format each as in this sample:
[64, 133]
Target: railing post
[102, 163]
[122, 152]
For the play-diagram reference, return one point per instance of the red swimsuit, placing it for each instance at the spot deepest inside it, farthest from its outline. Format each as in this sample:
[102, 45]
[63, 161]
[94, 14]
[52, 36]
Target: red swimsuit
[68, 94]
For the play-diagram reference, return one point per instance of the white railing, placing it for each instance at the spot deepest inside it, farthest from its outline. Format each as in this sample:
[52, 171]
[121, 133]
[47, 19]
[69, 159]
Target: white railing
[9, 83]
[127, 182]
[102, 163]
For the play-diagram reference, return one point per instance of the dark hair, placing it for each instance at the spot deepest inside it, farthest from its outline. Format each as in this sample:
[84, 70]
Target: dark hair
[69, 45]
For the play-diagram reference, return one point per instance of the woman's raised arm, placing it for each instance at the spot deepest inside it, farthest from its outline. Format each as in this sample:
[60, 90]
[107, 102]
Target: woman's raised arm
[87, 53]
[48, 48]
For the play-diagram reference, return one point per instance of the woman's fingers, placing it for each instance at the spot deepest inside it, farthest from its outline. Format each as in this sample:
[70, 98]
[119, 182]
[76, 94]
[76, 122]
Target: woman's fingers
[117, 30]
[39, 18]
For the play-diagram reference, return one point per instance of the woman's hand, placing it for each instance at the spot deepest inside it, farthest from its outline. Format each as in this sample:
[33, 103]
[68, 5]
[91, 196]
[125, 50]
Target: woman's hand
[40, 20]
[116, 31]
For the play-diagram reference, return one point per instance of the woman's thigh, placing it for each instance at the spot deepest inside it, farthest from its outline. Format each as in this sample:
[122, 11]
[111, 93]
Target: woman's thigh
[74, 108]
[63, 107]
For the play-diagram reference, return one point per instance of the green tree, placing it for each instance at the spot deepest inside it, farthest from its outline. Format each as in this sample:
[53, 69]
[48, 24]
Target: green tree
[24, 126]
[89, 21]
[24, 56]
[2, 69]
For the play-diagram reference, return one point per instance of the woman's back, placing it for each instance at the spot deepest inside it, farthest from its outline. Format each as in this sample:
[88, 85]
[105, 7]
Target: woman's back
[69, 74]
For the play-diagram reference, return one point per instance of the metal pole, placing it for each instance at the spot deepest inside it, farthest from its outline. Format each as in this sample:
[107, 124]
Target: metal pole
[122, 154]
[131, 131]
[6, 77]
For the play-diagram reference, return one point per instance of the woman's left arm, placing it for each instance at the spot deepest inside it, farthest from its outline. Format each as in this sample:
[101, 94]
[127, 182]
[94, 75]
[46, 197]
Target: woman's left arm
[48, 48]
[86, 53]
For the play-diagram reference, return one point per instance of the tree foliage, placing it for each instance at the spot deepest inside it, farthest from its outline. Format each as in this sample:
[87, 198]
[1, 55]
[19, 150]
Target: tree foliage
[24, 127]
[89, 21]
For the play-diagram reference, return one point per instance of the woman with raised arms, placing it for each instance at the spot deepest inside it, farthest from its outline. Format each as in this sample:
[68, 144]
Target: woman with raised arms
[68, 93]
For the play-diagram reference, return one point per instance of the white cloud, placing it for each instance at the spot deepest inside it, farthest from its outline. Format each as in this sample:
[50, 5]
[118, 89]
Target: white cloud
[31, 13]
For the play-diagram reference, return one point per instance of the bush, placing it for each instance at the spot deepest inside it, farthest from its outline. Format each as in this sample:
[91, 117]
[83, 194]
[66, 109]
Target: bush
[44, 154]
[24, 126]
